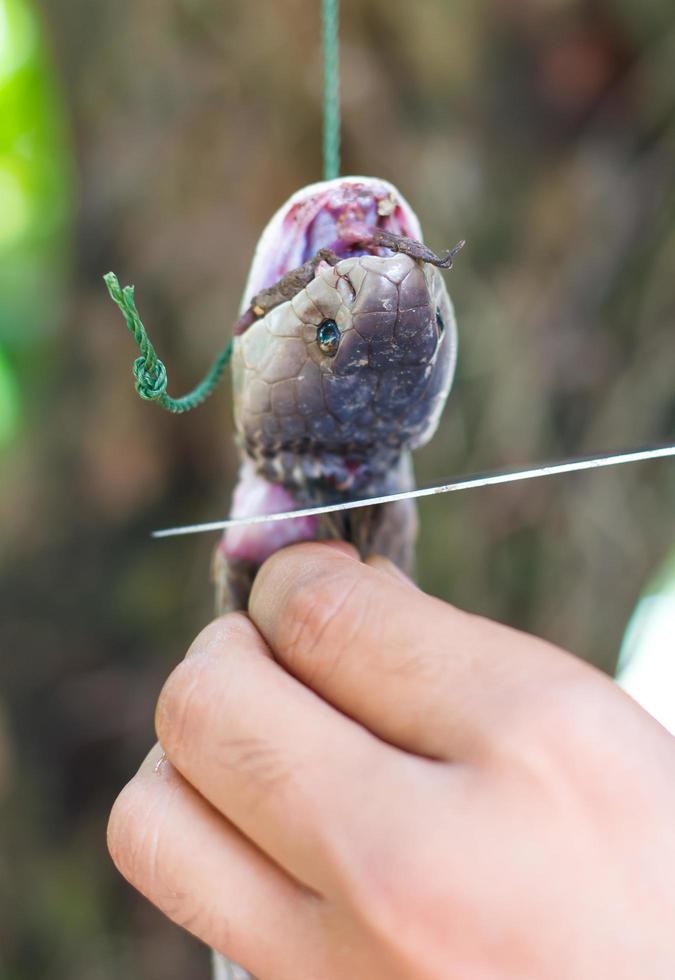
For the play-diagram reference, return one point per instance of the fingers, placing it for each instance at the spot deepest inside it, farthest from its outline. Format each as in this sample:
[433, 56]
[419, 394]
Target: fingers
[280, 763]
[417, 672]
[202, 873]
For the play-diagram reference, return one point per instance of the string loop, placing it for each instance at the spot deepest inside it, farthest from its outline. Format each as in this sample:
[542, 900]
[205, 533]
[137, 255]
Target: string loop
[149, 372]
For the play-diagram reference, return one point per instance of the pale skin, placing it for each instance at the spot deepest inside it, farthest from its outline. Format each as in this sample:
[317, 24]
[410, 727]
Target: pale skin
[364, 782]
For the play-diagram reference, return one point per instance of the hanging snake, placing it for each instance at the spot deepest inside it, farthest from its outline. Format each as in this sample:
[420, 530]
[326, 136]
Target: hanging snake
[343, 359]
[342, 363]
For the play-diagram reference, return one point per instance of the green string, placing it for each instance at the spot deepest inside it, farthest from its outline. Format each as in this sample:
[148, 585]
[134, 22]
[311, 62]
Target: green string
[331, 89]
[149, 371]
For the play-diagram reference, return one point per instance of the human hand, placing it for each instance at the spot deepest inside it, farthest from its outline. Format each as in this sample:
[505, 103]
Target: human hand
[365, 782]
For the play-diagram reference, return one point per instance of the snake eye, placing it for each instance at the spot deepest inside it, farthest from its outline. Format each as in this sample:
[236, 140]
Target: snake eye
[328, 337]
[439, 322]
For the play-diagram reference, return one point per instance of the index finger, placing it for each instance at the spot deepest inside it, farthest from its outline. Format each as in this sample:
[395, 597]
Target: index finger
[416, 671]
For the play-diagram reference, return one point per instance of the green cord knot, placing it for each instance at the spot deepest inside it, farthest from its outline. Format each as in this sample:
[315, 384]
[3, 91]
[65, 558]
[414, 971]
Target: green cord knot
[152, 383]
[149, 371]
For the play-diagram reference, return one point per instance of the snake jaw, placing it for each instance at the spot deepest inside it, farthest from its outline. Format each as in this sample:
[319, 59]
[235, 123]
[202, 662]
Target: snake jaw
[331, 214]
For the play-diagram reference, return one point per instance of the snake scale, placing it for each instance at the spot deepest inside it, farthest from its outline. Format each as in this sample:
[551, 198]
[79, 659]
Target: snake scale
[342, 362]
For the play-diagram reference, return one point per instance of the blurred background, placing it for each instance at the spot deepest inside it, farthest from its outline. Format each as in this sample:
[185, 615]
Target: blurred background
[156, 140]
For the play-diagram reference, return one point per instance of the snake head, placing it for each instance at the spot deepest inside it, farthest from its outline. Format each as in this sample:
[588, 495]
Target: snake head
[334, 384]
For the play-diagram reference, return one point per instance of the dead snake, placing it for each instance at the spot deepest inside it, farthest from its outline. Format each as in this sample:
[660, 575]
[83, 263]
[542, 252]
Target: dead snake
[343, 360]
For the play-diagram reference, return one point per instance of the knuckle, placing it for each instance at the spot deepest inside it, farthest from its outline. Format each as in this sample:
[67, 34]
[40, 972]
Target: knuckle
[121, 832]
[141, 847]
[186, 700]
[259, 762]
[176, 705]
[218, 633]
[323, 616]
[559, 735]
[561, 715]
[135, 835]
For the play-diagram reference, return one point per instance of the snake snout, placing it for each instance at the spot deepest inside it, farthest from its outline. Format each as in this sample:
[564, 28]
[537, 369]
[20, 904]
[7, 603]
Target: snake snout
[394, 313]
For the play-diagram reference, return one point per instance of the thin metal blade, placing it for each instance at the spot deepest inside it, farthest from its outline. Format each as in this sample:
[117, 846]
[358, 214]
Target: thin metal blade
[465, 483]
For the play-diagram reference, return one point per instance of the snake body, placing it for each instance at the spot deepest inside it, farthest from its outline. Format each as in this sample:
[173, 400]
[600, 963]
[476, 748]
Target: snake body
[335, 385]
